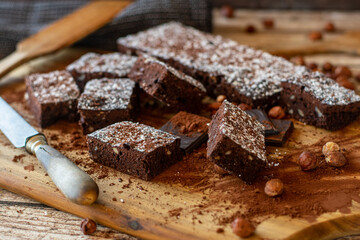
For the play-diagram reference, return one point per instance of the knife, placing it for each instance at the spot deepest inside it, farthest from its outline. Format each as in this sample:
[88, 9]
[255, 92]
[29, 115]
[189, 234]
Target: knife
[74, 183]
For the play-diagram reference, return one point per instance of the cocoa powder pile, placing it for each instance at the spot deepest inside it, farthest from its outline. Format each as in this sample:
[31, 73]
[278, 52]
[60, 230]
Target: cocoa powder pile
[189, 124]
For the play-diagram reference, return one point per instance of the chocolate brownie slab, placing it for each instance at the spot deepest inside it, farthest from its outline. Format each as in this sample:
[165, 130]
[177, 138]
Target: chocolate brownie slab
[94, 66]
[52, 96]
[236, 142]
[317, 100]
[241, 73]
[107, 101]
[166, 84]
[136, 149]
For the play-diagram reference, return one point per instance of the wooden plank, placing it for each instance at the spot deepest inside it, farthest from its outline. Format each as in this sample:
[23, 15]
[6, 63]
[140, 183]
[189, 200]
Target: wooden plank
[24, 218]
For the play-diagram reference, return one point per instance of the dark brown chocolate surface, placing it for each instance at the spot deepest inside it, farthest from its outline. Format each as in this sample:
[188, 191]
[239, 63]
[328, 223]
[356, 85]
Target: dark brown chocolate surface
[107, 101]
[262, 117]
[93, 66]
[166, 84]
[52, 96]
[236, 142]
[135, 149]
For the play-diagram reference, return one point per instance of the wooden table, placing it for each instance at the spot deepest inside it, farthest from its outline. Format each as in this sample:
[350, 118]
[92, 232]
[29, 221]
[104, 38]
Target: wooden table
[24, 218]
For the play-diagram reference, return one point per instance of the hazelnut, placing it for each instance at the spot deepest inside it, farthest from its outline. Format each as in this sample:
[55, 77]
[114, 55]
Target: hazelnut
[214, 106]
[329, 27]
[276, 112]
[274, 187]
[327, 67]
[357, 77]
[335, 159]
[227, 11]
[330, 147]
[298, 60]
[88, 226]
[307, 161]
[220, 98]
[343, 81]
[315, 36]
[219, 170]
[242, 227]
[244, 106]
[250, 28]
[342, 70]
[268, 23]
[312, 66]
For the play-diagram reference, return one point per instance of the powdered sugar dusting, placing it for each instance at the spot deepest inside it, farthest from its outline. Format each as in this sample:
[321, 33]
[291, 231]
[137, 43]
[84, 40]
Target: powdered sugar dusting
[252, 73]
[138, 136]
[115, 63]
[57, 86]
[107, 94]
[243, 130]
[325, 89]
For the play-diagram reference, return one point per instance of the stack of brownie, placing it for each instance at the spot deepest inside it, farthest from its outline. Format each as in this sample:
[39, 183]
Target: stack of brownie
[247, 75]
[179, 66]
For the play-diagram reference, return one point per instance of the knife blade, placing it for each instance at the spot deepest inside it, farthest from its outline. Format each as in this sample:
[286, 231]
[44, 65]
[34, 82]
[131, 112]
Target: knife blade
[74, 183]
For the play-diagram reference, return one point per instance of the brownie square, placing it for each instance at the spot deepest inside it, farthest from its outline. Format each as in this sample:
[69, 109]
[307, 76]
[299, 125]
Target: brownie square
[135, 149]
[320, 101]
[93, 66]
[236, 142]
[52, 96]
[107, 101]
[166, 84]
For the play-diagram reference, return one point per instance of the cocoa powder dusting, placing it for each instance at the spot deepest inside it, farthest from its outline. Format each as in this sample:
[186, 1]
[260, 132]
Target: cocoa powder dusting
[190, 124]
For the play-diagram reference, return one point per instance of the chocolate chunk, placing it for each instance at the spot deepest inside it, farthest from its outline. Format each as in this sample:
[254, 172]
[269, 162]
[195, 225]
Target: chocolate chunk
[192, 130]
[262, 117]
[285, 128]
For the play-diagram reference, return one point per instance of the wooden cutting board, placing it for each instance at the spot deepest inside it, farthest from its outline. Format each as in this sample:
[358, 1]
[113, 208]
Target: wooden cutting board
[172, 205]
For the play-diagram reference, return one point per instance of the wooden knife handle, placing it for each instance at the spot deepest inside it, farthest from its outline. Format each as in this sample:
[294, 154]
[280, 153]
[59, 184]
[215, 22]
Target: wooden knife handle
[74, 183]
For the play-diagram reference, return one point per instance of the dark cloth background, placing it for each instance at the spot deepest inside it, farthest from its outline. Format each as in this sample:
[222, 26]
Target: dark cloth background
[21, 18]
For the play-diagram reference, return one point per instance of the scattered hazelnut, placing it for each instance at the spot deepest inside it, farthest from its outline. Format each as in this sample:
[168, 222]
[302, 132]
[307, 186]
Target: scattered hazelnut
[274, 187]
[219, 170]
[357, 77]
[250, 28]
[227, 11]
[214, 106]
[307, 161]
[335, 159]
[329, 27]
[298, 60]
[88, 226]
[330, 147]
[312, 66]
[244, 106]
[343, 81]
[220, 98]
[268, 23]
[327, 67]
[342, 70]
[276, 112]
[242, 227]
[315, 36]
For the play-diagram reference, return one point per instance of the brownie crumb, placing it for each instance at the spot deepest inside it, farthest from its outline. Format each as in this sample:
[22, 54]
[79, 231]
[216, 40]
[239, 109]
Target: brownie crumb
[29, 167]
[18, 158]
